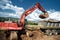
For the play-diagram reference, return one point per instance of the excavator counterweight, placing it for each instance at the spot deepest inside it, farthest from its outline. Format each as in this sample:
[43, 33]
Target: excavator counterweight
[14, 26]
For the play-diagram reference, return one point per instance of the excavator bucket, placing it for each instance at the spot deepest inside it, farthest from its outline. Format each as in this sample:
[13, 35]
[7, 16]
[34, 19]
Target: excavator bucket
[14, 26]
[45, 15]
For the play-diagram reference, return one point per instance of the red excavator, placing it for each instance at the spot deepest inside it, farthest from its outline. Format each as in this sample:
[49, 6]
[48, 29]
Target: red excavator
[14, 26]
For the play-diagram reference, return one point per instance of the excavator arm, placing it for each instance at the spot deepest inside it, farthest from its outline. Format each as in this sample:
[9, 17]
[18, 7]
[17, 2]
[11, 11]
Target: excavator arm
[14, 26]
[27, 12]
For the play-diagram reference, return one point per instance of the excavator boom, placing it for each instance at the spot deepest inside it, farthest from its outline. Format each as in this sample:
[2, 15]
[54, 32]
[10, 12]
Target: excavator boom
[27, 12]
[14, 26]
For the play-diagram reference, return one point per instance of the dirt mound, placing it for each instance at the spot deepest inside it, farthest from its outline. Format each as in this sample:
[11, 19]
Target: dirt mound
[35, 35]
[2, 36]
[38, 35]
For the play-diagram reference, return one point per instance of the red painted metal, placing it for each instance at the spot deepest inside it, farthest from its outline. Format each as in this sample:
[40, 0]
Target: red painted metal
[14, 26]
[9, 26]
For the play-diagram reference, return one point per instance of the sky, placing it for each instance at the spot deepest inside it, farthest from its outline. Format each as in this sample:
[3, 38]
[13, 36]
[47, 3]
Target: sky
[15, 8]
[47, 4]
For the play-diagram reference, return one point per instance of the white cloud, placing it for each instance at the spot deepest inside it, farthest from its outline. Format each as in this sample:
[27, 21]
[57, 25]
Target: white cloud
[4, 14]
[6, 4]
[18, 10]
[55, 15]
[34, 16]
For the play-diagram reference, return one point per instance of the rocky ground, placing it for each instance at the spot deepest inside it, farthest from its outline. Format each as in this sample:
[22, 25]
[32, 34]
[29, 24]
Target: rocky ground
[39, 36]
[36, 35]
[45, 37]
